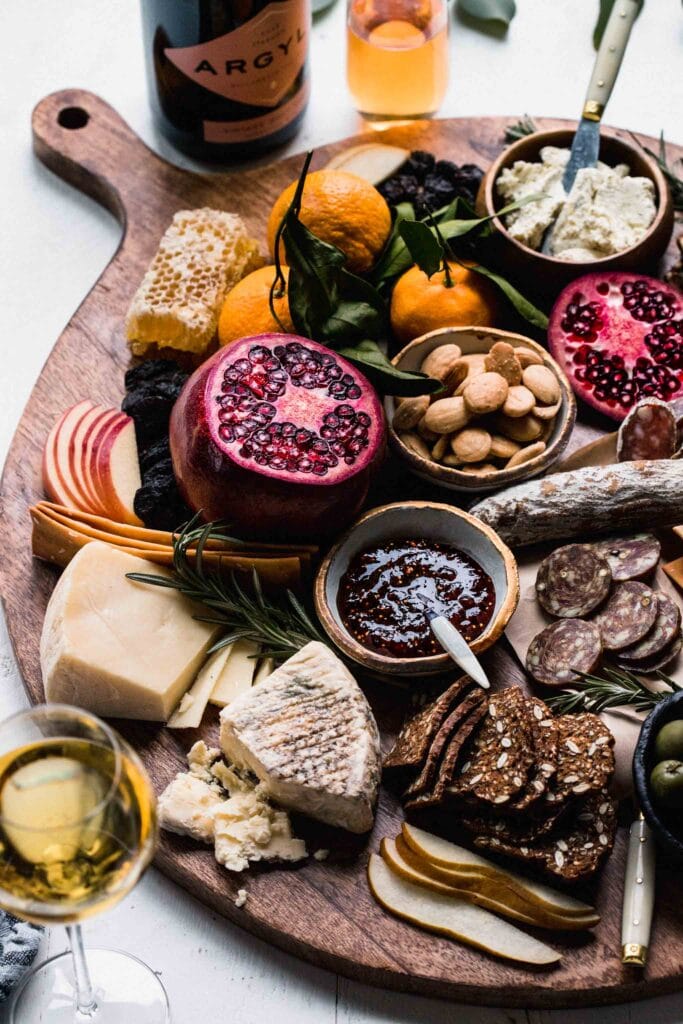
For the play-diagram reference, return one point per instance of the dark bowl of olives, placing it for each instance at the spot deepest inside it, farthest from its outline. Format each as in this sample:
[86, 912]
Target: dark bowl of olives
[658, 774]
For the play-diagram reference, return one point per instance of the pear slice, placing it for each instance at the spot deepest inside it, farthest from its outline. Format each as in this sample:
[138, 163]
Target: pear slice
[444, 854]
[446, 915]
[374, 161]
[391, 855]
[487, 891]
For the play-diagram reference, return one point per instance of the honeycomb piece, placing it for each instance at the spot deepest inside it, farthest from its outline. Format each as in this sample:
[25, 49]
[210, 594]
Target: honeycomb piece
[202, 255]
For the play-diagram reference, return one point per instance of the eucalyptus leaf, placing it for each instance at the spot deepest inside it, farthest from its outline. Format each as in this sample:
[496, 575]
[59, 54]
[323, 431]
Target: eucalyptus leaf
[524, 307]
[424, 247]
[603, 17]
[388, 379]
[489, 10]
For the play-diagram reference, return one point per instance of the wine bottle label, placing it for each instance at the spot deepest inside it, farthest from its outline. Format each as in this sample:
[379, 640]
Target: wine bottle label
[256, 64]
[257, 127]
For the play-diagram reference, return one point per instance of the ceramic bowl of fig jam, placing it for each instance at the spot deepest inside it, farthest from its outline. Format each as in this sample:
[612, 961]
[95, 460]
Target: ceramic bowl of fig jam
[374, 587]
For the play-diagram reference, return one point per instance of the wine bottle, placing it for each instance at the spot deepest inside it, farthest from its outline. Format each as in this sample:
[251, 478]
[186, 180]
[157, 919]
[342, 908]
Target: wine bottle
[227, 78]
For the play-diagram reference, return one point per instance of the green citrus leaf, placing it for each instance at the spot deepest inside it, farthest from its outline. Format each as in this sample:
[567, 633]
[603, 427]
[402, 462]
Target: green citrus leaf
[489, 10]
[523, 306]
[388, 379]
[423, 245]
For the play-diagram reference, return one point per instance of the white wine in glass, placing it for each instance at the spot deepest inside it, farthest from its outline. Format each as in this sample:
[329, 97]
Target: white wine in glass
[77, 829]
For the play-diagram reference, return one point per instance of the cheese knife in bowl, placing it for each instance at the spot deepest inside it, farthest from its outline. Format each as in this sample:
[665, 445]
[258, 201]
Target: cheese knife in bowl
[454, 643]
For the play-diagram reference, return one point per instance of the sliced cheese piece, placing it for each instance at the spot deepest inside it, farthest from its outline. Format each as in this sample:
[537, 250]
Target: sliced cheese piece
[266, 667]
[115, 647]
[237, 674]
[308, 733]
[190, 711]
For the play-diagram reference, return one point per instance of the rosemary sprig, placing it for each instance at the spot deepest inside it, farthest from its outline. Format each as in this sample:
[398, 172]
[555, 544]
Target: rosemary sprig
[614, 689]
[281, 627]
[673, 176]
[520, 129]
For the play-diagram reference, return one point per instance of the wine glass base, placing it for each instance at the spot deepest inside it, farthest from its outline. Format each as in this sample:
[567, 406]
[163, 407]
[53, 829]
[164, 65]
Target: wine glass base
[126, 992]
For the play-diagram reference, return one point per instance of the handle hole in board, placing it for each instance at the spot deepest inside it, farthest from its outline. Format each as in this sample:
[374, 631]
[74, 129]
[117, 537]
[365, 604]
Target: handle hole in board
[73, 118]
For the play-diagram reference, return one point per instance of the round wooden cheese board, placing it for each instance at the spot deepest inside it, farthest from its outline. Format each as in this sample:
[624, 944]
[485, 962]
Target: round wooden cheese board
[322, 910]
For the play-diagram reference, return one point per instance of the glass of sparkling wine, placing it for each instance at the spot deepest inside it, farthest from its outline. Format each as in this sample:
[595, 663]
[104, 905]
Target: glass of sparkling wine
[397, 57]
[77, 829]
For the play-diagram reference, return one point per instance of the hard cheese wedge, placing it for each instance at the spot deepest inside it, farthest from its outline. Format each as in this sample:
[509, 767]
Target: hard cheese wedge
[446, 915]
[190, 711]
[118, 648]
[237, 673]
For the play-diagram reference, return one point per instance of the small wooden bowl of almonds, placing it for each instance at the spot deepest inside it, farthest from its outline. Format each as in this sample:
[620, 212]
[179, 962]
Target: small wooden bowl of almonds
[505, 414]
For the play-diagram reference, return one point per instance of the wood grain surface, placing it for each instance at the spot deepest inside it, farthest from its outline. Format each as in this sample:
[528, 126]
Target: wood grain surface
[321, 910]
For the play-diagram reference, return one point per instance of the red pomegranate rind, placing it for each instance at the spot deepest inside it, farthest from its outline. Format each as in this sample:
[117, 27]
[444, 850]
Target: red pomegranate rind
[619, 338]
[648, 432]
[573, 581]
[628, 616]
[278, 435]
[648, 666]
[666, 628]
[561, 650]
[630, 558]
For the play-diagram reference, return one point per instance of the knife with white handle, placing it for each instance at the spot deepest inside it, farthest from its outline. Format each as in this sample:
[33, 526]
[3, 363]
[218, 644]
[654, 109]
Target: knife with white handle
[639, 894]
[586, 145]
[455, 644]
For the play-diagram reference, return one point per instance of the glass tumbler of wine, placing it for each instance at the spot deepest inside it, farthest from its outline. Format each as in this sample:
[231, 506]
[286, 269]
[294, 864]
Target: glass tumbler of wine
[77, 829]
[397, 57]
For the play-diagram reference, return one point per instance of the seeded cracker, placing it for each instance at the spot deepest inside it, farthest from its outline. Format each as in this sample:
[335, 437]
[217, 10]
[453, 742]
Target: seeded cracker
[519, 830]
[585, 757]
[576, 849]
[428, 776]
[413, 742]
[449, 762]
[502, 755]
[544, 737]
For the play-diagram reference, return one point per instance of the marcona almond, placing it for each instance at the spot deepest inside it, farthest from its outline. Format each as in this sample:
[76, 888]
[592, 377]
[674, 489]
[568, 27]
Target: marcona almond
[482, 469]
[455, 376]
[415, 444]
[438, 363]
[425, 433]
[547, 412]
[440, 448]
[409, 412]
[502, 359]
[446, 415]
[526, 428]
[503, 447]
[472, 444]
[527, 357]
[519, 401]
[526, 454]
[485, 393]
[543, 383]
[451, 460]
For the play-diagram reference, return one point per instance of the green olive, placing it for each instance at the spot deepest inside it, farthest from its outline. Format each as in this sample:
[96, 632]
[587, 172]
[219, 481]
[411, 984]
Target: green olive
[666, 783]
[669, 742]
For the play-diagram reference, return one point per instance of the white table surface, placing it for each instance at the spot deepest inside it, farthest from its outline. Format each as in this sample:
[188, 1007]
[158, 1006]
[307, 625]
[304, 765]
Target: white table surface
[55, 243]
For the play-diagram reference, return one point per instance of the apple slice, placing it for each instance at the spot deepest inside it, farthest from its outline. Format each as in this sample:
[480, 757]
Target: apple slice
[91, 441]
[446, 915]
[115, 469]
[374, 161]
[494, 893]
[88, 426]
[58, 480]
[459, 860]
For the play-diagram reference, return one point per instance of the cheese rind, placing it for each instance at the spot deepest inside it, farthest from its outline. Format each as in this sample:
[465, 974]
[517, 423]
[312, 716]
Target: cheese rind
[116, 647]
[307, 732]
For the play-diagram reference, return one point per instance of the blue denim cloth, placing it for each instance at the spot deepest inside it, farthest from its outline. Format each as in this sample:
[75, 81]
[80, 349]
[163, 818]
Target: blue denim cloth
[18, 947]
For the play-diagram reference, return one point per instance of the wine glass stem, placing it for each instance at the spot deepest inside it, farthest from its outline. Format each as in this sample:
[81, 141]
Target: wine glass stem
[86, 1005]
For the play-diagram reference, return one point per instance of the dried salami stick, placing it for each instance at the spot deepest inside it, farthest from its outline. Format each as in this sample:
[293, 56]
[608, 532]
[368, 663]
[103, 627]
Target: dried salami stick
[593, 500]
[648, 432]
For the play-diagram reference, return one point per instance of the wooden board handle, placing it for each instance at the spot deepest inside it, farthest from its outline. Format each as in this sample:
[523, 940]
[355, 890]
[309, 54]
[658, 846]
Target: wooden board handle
[85, 142]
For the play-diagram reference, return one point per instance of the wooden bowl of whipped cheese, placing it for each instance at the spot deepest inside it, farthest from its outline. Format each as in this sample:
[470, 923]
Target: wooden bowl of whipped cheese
[546, 274]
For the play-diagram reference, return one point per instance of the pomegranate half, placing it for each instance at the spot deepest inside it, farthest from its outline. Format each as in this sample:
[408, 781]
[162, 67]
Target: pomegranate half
[619, 338]
[279, 436]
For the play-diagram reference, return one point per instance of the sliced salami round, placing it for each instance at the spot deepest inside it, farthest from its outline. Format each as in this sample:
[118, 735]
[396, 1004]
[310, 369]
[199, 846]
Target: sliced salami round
[630, 558]
[665, 630]
[573, 581]
[648, 432]
[628, 616]
[657, 661]
[561, 650]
